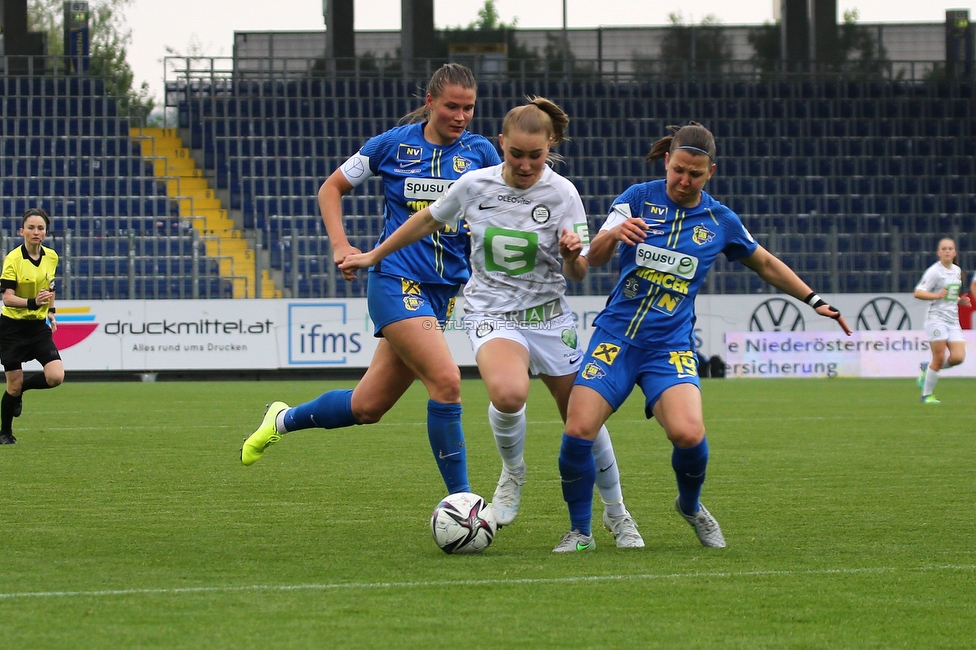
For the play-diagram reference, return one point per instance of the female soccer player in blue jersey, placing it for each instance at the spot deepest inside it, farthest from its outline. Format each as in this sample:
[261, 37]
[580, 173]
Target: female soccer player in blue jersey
[668, 233]
[528, 234]
[27, 283]
[411, 293]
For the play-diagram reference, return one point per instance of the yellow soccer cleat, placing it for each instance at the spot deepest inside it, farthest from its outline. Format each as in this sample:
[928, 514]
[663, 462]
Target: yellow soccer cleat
[265, 436]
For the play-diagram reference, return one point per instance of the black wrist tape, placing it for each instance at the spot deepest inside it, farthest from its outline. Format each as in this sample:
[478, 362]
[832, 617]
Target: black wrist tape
[814, 300]
[31, 304]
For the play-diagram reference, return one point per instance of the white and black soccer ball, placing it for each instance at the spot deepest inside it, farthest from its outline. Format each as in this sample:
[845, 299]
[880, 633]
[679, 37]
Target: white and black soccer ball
[463, 523]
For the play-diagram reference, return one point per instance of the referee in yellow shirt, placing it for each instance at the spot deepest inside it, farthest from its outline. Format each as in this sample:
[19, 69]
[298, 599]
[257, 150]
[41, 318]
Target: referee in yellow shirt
[27, 284]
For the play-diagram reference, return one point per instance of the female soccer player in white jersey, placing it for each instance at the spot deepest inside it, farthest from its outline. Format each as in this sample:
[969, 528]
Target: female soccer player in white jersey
[528, 234]
[941, 284]
[668, 233]
[411, 293]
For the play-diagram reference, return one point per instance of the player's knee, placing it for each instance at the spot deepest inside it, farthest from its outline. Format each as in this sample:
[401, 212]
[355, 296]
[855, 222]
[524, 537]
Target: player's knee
[55, 380]
[687, 435]
[508, 401]
[368, 413]
[445, 385]
[955, 360]
[581, 430]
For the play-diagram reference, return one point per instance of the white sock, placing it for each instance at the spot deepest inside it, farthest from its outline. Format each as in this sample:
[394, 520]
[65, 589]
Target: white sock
[280, 422]
[607, 473]
[931, 378]
[509, 430]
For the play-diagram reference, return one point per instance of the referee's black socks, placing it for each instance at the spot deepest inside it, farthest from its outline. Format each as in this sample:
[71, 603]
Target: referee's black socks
[37, 381]
[7, 404]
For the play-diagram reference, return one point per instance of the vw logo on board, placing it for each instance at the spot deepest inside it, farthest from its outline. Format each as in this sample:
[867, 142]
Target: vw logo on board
[884, 314]
[776, 315]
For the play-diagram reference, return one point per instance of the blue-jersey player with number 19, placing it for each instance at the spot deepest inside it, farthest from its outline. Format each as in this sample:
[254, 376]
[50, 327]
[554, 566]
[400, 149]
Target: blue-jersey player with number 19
[669, 233]
[411, 294]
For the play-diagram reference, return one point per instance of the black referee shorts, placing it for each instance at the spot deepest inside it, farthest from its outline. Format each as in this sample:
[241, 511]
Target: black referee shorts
[25, 340]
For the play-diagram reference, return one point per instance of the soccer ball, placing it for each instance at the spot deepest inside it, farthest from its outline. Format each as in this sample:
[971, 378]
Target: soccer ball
[463, 523]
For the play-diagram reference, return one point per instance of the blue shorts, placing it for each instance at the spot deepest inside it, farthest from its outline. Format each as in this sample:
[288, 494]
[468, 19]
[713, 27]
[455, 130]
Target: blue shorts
[612, 367]
[392, 299]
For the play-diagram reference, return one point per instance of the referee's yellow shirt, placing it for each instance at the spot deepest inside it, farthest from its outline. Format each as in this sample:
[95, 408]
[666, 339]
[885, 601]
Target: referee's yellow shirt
[27, 278]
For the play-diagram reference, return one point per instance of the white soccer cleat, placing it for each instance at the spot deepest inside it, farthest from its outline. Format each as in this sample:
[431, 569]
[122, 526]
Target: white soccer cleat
[709, 534]
[624, 530]
[574, 541]
[508, 495]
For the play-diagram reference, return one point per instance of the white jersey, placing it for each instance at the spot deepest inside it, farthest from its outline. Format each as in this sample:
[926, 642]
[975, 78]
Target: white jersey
[936, 278]
[515, 261]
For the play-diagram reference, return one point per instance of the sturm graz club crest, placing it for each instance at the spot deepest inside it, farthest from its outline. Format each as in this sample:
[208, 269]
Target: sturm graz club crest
[540, 213]
[777, 315]
[884, 314]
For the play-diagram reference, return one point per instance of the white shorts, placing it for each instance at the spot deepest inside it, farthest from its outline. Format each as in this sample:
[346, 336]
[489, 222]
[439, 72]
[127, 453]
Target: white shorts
[939, 330]
[553, 345]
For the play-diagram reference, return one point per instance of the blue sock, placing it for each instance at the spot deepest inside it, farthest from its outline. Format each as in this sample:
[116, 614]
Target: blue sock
[331, 410]
[689, 468]
[447, 442]
[578, 473]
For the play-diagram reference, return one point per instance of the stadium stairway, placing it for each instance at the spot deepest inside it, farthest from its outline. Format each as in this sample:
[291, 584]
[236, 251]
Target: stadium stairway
[198, 204]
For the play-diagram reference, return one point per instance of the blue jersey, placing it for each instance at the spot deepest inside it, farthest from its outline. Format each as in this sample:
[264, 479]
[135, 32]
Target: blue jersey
[653, 303]
[416, 173]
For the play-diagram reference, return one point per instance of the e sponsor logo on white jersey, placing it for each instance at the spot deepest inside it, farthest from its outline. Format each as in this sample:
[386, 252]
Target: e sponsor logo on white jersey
[667, 261]
[427, 189]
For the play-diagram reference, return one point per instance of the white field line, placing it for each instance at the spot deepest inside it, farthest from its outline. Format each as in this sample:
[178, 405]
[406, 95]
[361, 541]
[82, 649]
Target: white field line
[423, 584]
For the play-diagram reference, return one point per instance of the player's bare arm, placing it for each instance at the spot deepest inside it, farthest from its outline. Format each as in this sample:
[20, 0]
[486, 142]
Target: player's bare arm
[575, 265]
[330, 203]
[604, 245]
[774, 271]
[419, 225]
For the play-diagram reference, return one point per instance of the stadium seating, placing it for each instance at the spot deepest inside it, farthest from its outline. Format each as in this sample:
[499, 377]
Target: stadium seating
[850, 181]
[843, 178]
[65, 148]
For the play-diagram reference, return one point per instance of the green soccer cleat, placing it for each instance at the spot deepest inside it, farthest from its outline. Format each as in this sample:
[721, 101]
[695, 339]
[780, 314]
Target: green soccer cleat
[930, 399]
[575, 541]
[921, 377]
[266, 435]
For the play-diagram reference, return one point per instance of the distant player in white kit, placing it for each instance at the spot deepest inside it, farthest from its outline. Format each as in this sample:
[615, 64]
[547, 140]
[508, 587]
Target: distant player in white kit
[528, 234]
[941, 284]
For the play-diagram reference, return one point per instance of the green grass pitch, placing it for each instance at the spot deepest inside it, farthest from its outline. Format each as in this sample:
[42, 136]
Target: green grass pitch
[128, 522]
